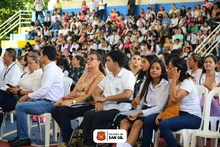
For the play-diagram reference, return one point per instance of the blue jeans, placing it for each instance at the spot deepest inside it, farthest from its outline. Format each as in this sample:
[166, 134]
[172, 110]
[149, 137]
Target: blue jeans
[36, 108]
[184, 121]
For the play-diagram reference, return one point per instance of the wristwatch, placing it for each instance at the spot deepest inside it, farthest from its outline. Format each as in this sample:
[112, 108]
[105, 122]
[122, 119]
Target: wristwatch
[74, 101]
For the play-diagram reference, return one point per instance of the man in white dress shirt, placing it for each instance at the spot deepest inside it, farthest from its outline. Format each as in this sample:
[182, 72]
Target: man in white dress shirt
[10, 75]
[116, 86]
[43, 99]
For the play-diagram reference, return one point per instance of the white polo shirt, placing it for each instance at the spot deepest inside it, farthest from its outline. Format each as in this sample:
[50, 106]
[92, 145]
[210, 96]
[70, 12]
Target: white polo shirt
[114, 85]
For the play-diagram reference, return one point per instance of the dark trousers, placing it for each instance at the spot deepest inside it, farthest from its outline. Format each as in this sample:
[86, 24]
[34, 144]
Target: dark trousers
[36, 14]
[131, 10]
[100, 13]
[7, 102]
[96, 120]
[64, 115]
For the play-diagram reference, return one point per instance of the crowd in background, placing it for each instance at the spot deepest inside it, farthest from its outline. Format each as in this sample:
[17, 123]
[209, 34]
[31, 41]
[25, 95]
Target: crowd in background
[153, 49]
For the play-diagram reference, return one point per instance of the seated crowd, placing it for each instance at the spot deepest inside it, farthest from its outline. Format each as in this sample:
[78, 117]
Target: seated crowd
[144, 62]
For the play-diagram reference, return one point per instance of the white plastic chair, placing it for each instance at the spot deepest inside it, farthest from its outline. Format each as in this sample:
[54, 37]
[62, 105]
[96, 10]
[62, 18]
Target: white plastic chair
[67, 82]
[185, 133]
[204, 131]
[3, 121]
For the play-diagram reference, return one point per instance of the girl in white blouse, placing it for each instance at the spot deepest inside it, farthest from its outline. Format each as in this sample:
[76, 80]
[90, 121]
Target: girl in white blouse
[153, 97]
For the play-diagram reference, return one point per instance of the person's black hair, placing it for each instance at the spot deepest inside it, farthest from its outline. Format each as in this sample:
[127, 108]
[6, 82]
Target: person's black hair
[25, 59]
[163, 75]
[181, 65]
[140, 33]
[50, 52]
[32, 23]
[11, 53]
[165, 55]
[117, 56]
[80, 59]
[150, 59]
[170, 57]
[64, 63]
[0, 51]
[176, 52]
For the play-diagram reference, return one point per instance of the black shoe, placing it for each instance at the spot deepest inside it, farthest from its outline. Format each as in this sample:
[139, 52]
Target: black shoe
[13, 140]
[25, 142]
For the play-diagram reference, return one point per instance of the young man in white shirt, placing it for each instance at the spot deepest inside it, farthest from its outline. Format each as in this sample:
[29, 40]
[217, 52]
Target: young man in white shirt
[191, 38]
[116, 86]
[43, 99]
[114, 38]
[11, 74]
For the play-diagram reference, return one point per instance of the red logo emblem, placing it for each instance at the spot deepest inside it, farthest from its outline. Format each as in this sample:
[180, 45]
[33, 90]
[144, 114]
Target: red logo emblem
[100, 136]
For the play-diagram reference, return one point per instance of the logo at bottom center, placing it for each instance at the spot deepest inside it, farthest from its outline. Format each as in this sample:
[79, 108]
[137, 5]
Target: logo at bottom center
[109, 136]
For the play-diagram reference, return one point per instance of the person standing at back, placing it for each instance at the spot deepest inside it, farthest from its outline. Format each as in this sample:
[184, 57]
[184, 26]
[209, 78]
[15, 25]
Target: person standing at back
[101, 8]
[42, 100]
[131, 6]
[39, 5]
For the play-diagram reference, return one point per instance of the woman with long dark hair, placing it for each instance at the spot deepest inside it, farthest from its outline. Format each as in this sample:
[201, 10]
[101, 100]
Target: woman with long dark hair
[77, 69]
[210, 78]
[153, 98]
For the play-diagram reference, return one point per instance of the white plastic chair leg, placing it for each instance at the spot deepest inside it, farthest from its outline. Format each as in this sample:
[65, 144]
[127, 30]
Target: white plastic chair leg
[55, 130]
[157, 139]
[214, 142]
[47, 129]
[29, 119]
[3, 124]
[59, 138]
[12, 117]
[39, 127]
[193, 141]
[185, 138]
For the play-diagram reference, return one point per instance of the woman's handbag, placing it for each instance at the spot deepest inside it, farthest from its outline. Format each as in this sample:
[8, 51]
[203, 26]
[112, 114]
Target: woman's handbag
[171, 111]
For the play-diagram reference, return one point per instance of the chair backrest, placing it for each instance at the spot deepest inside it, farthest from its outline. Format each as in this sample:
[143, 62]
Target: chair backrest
[67, 82]
[207, 107]
[203, 93]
